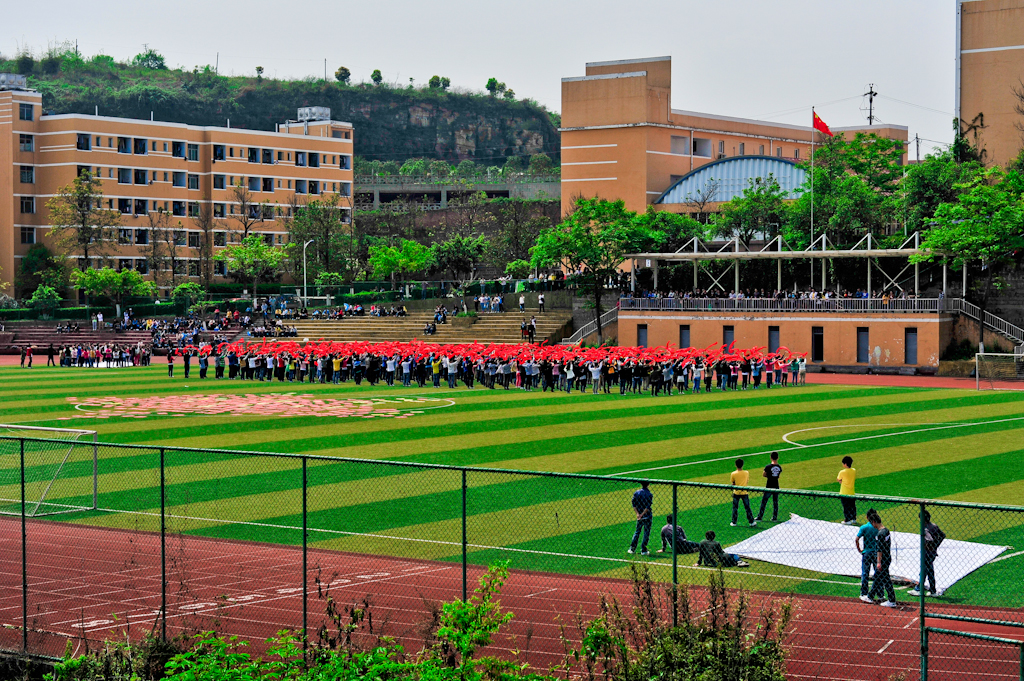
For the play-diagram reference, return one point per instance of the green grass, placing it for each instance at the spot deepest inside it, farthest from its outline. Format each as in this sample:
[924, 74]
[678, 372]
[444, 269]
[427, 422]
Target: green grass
[551, 524]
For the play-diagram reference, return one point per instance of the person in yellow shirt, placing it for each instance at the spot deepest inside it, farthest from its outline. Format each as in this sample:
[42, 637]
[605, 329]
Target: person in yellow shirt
[740, 478]
[846, 479]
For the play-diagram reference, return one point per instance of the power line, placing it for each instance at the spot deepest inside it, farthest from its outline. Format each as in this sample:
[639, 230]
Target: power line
[916, 106]
[776, 114]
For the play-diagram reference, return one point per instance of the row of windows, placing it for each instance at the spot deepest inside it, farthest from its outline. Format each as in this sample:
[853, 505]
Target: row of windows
[140, 237]
[702, 147]
[181, 266]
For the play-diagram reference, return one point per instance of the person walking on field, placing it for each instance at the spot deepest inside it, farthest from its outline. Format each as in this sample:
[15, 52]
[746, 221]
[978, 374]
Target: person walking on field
[847, 478]
[170, 364]
[771, 473]
[740, 478]
[643, 501]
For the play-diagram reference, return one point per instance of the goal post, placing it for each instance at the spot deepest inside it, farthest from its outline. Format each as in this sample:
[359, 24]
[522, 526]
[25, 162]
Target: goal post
[61, 470]
[999, 371]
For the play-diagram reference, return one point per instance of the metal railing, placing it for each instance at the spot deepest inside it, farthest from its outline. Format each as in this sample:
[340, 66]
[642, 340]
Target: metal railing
[789, 304]
[591, 327]
[993, 322]
[362, 181]
[250, 543]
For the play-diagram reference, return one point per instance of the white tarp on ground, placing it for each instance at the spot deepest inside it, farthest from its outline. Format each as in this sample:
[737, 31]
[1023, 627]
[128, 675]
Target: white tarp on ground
[828, 547]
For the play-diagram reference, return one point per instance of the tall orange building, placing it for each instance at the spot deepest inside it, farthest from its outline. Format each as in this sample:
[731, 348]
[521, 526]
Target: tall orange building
[989, 69]
[150, 167]
[621, 138]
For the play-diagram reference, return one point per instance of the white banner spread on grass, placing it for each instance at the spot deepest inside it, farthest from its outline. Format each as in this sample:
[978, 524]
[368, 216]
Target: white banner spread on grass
[829, 547]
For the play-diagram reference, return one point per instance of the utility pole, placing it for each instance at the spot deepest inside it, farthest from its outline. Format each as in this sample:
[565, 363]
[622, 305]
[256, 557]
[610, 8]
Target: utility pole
[870, 94]
[917, 141]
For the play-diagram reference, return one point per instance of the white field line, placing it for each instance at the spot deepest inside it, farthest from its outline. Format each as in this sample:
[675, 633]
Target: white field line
[1011, 555]
[824, 444]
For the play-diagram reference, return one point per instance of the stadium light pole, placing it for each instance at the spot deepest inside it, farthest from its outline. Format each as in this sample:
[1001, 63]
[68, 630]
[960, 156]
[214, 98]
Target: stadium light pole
[305, 296]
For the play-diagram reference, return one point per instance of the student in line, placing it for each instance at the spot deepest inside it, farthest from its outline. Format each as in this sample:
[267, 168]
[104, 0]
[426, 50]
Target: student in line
[771, 473]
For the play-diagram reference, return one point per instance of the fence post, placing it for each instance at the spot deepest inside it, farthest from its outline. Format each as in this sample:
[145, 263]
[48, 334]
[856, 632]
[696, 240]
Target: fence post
[163, 549]
[95, 473]
[920, 588]
[305, 598]
[464, 546]
[675, 556]
[24, 558]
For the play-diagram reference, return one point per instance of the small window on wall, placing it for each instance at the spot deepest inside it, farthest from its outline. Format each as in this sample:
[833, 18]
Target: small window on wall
[219, 268]
[641, 335]
[28, 235]
[760, 150]
[142, 237]
[218, 211]
[743, 149]
[728, 335]
[141, 266]
[193, 239]
[178, 149]
[796, 153]
[218, 152]
[193, 268]
[721, 147]
[218, 182]
[680, 145]
[28, 174]
[193, 152]
[25, 112]
[193, 181]
[817, 344]
[684, 336]
[28, 204]
[219, 238]
[778, 152]
[84, 142]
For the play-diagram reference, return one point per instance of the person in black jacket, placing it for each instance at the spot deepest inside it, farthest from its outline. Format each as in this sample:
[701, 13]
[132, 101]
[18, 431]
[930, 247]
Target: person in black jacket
[683, 545]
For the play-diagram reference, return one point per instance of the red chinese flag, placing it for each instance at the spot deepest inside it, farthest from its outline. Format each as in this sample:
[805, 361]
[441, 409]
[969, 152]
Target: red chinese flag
[820, 126]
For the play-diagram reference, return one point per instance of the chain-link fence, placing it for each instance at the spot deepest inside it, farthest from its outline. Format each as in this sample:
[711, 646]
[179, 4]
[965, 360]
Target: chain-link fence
[103, 541]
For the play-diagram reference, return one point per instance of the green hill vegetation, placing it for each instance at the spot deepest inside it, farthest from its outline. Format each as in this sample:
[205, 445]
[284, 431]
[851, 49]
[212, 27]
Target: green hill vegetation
[393, 122]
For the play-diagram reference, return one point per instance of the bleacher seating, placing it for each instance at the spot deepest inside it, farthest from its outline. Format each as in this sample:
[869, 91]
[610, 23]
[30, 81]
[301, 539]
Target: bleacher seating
[41, 337]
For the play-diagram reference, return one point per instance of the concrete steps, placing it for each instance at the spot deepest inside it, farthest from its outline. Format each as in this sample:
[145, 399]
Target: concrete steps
[41, 337]
[486, 328]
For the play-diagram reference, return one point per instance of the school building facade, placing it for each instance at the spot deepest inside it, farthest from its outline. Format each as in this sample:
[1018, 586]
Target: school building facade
[159, 173]
[621, 138]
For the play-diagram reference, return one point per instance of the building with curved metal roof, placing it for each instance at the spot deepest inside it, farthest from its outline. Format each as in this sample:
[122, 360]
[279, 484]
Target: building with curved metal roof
[730, 176]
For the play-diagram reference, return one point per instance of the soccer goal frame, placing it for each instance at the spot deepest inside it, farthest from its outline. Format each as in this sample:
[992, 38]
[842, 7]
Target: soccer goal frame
[1002, 367]
[40, 507]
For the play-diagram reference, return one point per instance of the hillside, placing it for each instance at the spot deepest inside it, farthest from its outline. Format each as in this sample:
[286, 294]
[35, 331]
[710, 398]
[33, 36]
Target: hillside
[392, 123]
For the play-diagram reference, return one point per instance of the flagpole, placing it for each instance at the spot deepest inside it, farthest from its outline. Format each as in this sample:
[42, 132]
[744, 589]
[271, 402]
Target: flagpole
[812, 195]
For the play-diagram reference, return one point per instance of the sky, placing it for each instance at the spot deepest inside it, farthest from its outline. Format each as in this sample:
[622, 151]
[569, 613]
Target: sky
[744, 58]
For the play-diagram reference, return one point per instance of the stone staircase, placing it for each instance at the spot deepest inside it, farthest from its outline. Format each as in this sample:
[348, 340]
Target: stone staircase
[39, 337]
[485, 328]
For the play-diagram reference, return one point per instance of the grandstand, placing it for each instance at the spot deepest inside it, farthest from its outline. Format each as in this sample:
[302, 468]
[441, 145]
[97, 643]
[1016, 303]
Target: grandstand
[485, 328]
[39, 337]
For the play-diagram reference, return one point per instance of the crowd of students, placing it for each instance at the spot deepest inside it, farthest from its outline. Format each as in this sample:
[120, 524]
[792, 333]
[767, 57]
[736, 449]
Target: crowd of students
[91, 356]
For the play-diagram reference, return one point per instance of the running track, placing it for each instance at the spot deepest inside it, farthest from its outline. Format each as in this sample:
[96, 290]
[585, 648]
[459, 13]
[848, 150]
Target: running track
[96, 583]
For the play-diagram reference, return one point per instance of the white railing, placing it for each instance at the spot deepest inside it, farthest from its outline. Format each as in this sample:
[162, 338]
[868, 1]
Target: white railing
[993, 322]
[788, 304]
[591, 327]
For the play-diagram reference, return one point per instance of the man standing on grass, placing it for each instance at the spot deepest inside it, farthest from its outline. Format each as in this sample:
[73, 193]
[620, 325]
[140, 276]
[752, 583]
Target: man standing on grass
[643, 500]
[740, 478]
[771, 474]
[847, 479]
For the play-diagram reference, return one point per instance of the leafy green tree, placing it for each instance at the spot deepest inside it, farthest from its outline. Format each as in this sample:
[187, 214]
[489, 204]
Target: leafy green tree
[492, 86]
[760, 209]
[376, 77]
[677, 228]
[79, 223]
[190, 293]
[540, 164]
[343, 75]
[415, 167]
[509, 95]
[45, 298]
[391, 261]
[259, 73]
[335, 243]
[253, 258]
[389, 168]
[937, 179]
[434, 83]
[459, 255]
[513, 164]
[440, 169]
[516, 228]
[39, 266]
[150, 59]
[591, 244]
[112, 284]
[446, 83]
[518, 269]
[466, 169]
[984, 226]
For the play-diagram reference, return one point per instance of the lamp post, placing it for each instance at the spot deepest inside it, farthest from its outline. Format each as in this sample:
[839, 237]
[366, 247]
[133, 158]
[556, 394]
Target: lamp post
[305, 295]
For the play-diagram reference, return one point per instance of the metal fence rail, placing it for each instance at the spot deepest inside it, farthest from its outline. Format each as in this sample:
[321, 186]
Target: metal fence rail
[791, 305]
[249, 543]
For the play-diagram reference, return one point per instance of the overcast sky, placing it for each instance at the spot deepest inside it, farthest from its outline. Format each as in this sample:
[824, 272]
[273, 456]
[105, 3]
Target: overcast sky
[747, 58]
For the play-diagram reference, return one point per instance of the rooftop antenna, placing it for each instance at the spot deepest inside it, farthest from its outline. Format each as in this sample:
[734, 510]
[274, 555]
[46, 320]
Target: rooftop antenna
[870, 94]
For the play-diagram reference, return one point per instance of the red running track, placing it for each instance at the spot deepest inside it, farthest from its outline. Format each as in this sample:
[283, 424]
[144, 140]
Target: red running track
[86, 582]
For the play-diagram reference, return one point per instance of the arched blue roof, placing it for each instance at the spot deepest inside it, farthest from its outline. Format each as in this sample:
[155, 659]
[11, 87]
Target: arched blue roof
[733, 175]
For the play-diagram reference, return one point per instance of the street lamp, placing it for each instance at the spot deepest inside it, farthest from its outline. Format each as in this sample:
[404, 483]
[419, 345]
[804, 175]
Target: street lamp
[305, 295]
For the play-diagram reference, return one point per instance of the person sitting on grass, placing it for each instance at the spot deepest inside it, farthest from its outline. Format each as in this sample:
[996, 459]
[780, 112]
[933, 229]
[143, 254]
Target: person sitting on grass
[712, 554]
[683, 545]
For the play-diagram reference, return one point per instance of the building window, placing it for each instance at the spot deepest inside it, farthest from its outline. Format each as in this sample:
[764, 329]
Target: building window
[280, 156]
[141, 206]
[773, 339]
[25, 112]
[81, 170]
[345, 162]
[314, 159]
[178, 209]
[84, 142]
[141, 266]
[314, 187]
[267, 156]
[193, 182]
[219, 268]
[28, 204]
[28, 235]
[142, 237]
[679, 145]
[193, 152]
[268, 239]
[154, 146]
[218, 210]
[179, 237]
[124, 206]
[27, 143]
[28, 175]
[219, 237]
[193, 209]
[289, 184]
[124, 235]
[728, 335]
[178, 149]
[140, 146]
[178, 179]
[268, 184]
[141, 177]
[165, 147]
[218, 182]
[817, 344]
[254, 184]
[702, 147]
[254, 155]
[796, 153]
[218, 152]
[684, 335]
[778, 152]
[300, 158]
[743, 149]
[346, 189]
[165, 176]
[760, 150]
[124, 145]
[267, 213]
[721, 147]
[193, 239]
[231, 151]
[193, 268]
[346, 217]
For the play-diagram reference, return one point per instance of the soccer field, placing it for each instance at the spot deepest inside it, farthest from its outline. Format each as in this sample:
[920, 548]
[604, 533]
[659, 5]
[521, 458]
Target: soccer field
[914, 442]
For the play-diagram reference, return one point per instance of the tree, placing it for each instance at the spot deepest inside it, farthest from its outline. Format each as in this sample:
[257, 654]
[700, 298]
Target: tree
[259, 73]
[44, 297]
[156, 247]
[517, 226]
[699, 200]
[408, 257]
[459, 255]
[343, 75]
[206, 224]
[540, 164]
[760, 209]
[446, 83]
[937, 179]
[112, 284]
[415, 167]
[253, 258]
[509, 95]
[190, 293]
[677, 228]
[150, 59]
[246, 209]
[985, 226]
[466, 169]
[40, 267]
[376, 77]
[440, 169]
[335, 244]
[434, 83]
[79, 223]
[492, 86]
[591, 244]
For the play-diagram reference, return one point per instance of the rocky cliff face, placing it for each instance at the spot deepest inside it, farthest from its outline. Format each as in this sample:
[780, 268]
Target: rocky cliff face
[391, 123]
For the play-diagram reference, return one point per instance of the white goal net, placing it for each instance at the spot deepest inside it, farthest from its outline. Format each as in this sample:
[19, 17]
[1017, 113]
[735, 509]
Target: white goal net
[999, 371]
[59, 465]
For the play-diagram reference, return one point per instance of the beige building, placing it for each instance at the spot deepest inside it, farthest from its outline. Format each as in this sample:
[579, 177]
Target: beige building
[989, 72]
[621, 138]
[150, 169]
